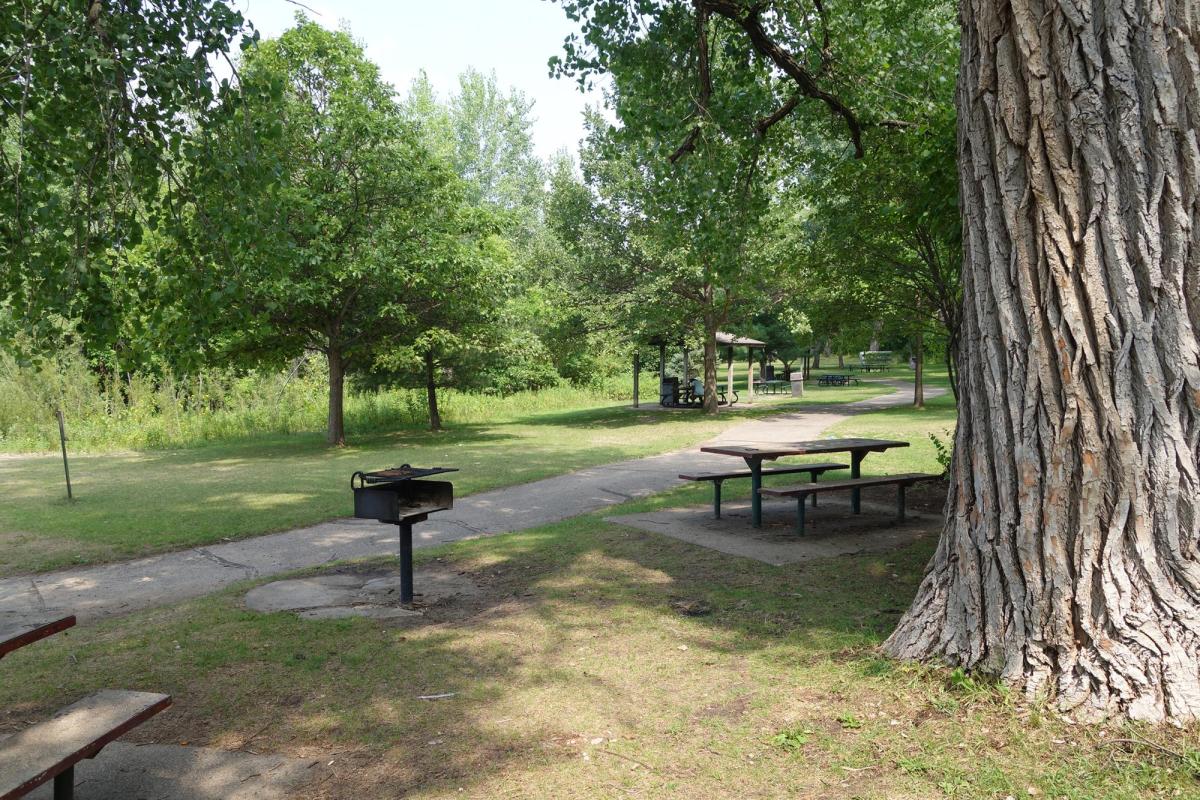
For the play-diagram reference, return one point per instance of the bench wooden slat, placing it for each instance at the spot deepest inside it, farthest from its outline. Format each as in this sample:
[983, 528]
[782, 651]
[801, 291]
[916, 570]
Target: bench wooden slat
[784, 470]
[803, 491]
[37, 754]
[14, 636]
[848, 483]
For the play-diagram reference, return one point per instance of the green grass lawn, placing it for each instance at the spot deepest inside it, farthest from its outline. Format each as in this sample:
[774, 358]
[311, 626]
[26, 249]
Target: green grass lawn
[907, 424]
[140, 503]
[574, 676]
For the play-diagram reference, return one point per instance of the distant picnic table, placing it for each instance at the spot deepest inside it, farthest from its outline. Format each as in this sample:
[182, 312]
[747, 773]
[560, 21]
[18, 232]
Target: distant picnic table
[836, 380]
[755, 455]
[772, 386]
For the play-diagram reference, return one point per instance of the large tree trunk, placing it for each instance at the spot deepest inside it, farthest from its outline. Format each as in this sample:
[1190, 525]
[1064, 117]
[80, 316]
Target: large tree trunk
[1068, 564]
[336, 432]
[435, 417]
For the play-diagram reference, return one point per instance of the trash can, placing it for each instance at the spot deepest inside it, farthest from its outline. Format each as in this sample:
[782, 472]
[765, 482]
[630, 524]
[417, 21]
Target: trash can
[797, 386]
[668, 392]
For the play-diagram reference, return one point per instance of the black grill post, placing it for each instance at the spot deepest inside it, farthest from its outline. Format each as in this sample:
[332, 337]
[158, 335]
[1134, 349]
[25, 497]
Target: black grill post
[406, 572]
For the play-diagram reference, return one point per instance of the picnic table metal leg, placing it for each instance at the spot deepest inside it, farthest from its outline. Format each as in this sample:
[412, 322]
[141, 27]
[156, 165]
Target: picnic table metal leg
[800, 515]
[716, 499]
[406, 564]
[755, 465]
[64, 784]
[856, 458]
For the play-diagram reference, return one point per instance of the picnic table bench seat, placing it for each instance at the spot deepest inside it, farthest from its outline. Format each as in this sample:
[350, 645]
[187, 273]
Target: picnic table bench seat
[717, 478]
[51, 749]
[803, 490]
[14, 636]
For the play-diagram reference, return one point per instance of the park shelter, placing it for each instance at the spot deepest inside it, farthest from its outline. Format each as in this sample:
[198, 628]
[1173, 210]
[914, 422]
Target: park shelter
[730, 341]
[727, 340]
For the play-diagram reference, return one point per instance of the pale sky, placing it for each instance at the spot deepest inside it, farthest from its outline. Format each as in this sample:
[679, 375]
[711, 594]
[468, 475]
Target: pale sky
[514, 38]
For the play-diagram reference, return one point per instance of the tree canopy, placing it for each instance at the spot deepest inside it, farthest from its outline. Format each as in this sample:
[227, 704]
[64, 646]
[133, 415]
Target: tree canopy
[325, 221]
[96, 100]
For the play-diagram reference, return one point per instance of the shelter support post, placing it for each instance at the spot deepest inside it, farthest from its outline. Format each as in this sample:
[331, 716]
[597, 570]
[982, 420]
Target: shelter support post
[750, 375]
[729, 375]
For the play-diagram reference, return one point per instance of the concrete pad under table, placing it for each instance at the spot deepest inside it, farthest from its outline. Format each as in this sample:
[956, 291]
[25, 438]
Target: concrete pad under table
[832, 530]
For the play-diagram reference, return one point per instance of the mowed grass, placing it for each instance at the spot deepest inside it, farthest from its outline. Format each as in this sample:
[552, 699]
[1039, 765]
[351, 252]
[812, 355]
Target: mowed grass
[574, 676]
[904, 423]
[142, 503]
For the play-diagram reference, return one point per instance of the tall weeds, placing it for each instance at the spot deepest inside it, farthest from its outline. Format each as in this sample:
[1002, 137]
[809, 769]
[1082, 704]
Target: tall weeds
[139, 412]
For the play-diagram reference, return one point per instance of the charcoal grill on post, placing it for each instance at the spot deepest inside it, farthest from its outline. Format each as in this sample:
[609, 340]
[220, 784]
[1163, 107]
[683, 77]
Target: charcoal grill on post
[398, 496]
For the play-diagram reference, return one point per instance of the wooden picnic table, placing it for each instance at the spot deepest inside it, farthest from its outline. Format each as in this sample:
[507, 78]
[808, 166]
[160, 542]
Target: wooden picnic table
[14, 636]
[755, 455]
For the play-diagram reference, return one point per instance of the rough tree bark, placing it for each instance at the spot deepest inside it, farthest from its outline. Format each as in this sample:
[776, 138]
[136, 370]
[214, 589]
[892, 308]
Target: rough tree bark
[1069, 562]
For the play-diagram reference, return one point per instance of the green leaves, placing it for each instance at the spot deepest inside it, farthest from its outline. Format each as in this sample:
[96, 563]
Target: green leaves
[93, 109]
[336, 228]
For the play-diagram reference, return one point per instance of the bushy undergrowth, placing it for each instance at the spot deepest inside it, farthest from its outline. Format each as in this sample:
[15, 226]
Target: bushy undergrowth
[137, 412]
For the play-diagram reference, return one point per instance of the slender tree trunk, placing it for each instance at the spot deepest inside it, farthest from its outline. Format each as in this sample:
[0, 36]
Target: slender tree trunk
[919, 371]
[952, 363]
[435, 418]
[817, 348]
[336, 432]
[1069, 561]
[710, 354]
[876, 327]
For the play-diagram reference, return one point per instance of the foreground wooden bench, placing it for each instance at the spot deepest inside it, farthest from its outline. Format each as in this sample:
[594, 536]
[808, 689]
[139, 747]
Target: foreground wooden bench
[802, 491]
[16, 635]
[51, 749]
[717, 478]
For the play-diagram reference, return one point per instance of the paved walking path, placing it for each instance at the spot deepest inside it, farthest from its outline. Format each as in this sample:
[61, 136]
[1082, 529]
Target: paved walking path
[93, 592]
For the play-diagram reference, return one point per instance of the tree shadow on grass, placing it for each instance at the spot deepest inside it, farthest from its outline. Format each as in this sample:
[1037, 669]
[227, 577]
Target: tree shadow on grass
[576, 637]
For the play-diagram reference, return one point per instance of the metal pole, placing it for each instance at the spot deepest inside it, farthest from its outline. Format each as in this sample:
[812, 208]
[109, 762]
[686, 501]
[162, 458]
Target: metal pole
[64, 784]
[755, 465]
[729, 376]
[750, 375]
[406, 569]
[856, 459]
[62, 437]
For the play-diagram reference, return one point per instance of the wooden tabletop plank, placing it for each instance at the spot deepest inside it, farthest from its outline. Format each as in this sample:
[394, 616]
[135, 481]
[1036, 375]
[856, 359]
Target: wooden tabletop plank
[812, 447]
[786, 469]
[35, 755]
[14, 636]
